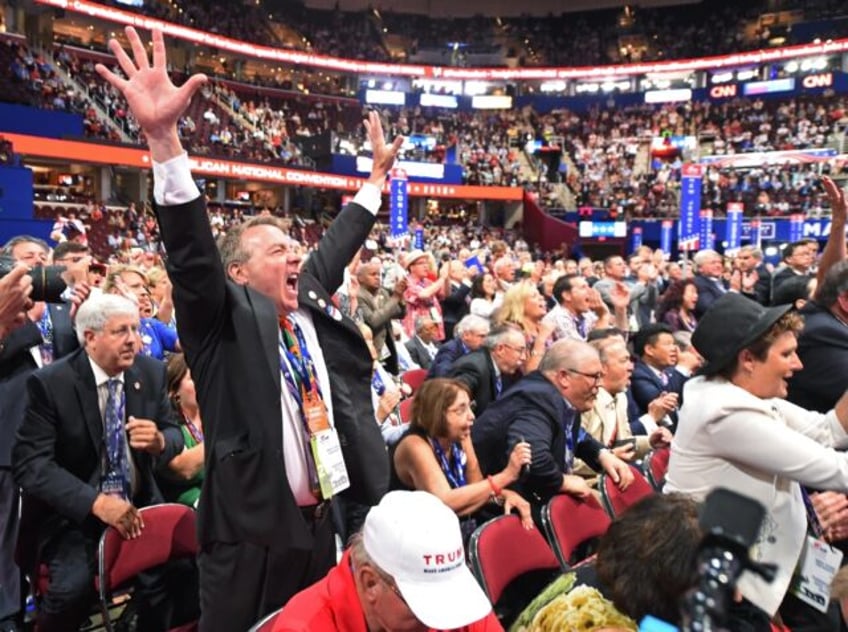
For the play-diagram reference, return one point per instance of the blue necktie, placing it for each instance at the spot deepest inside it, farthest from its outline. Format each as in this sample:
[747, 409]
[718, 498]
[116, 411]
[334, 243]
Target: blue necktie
[498, 386]
[568, 428]
[116, 479]
[45, 326]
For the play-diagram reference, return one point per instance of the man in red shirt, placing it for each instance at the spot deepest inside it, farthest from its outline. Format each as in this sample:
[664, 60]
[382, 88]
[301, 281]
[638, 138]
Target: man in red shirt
[405, 571]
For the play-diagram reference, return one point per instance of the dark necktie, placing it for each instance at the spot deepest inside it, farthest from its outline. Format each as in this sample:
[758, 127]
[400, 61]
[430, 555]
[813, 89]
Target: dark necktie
[498, 386]
[568, 429]
[116, 478]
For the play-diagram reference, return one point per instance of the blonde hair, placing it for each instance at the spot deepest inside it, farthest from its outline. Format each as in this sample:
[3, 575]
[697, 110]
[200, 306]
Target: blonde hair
[512, 307]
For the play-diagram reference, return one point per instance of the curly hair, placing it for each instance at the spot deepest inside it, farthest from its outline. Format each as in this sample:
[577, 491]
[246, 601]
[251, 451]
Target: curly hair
[512, 308]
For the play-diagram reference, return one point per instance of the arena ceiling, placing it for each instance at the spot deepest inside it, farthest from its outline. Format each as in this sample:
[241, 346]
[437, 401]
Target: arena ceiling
[495, 8]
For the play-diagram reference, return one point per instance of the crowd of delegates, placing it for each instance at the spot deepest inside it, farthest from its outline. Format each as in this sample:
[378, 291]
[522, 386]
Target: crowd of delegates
[561, 373]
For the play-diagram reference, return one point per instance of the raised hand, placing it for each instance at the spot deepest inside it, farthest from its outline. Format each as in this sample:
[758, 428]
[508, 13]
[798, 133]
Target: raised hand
[155, 102]
[383, 155]
[838, 208]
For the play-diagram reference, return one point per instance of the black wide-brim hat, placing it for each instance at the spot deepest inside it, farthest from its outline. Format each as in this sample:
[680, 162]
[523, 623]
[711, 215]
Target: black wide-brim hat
[732, 323]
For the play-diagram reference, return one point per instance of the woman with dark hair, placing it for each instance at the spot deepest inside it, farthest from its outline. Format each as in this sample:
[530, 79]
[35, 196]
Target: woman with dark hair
[185, 471]
[737, 431]
[436, 455]
[677, 306]
[483, 290]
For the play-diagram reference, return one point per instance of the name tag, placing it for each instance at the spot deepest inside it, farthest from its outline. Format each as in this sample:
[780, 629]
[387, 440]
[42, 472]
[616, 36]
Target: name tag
[814, 574]
[329, 462]
[315, 413]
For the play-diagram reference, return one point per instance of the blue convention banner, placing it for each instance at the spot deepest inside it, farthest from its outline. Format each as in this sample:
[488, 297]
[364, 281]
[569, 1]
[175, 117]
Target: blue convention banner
[419, 238]
[796, 227]
[706, 237]
[637, 238]
[665, 236]
[754, 233]
[734, 226]
[690, 205]
[399, 203]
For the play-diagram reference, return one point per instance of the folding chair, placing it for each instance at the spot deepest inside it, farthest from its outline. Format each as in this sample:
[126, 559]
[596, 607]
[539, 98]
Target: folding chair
[655, 467]
[169, 533]
[570, 523]
[616, 501]
[266, 623]
[414, 378]
[502, 550]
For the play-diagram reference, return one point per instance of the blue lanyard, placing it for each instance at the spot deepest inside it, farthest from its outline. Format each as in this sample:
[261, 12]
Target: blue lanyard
[193, 430]
[455, 474]
[377, 383]
[304, 365]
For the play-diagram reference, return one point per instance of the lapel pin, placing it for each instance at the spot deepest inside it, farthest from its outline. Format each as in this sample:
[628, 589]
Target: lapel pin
[312, 294]
[137, 386]
[322, 303]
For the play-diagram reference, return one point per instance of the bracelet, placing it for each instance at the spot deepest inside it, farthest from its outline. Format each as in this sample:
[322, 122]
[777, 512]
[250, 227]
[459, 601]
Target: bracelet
[496, 491]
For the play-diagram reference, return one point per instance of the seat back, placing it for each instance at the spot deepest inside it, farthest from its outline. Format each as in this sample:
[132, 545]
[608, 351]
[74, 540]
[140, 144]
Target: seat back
[616, 501]
[406, 410]
[570, 522]
[266, 623]
[414, 378]
[655, 467]
[169, 533]
[501, 550]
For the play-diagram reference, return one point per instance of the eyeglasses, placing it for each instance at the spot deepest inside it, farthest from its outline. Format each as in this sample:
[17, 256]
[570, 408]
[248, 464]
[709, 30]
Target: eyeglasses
[595, 377]
[463, 409]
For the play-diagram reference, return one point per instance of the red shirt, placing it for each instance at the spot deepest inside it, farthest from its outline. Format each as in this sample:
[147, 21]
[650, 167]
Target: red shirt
[332, 604]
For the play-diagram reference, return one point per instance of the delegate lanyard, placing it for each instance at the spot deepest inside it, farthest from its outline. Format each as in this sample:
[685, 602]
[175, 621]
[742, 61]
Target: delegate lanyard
[455, 474]
[377, 383]
[194, 431]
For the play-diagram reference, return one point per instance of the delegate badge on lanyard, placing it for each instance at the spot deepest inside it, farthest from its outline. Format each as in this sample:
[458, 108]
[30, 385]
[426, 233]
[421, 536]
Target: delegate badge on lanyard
[329, 462]
[814, 574]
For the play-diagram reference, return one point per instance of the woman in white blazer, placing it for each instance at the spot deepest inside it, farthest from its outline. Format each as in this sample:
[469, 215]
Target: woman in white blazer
[737, 431]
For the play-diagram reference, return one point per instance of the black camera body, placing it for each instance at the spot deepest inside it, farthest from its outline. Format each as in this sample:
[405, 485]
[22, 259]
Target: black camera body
[47, 282]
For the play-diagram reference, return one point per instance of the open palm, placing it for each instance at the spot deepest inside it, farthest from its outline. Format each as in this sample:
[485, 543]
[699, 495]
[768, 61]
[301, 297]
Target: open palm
[154, 100]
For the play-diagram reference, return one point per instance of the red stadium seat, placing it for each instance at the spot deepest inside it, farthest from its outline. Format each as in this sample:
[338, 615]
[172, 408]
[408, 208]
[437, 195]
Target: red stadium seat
[502, 550]
[414, 378]
[655, 467]
[266, 624]
[616, 501]
[169, 533]
[570, 523]
[406, 410]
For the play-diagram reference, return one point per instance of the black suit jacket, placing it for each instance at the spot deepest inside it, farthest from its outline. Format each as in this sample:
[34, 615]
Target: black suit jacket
[419, 353]
[646, 386]
[59, 447]
[477, 371]
[823, 349]
[230, 336]
[708, 293]
[533, 410]
[448, 353]
[455, 306]
[17, 364]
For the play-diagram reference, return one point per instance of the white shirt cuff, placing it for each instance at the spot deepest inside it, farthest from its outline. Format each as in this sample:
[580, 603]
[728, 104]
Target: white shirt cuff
[369, 197]
[649, 423]
[172, 182]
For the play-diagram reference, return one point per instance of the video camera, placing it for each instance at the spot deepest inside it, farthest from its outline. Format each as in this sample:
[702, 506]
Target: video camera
[47, 282]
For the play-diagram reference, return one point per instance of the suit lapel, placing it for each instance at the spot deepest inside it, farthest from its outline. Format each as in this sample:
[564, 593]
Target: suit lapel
[313, 296]
[86, 390]
[268, 324]
[133, 388]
